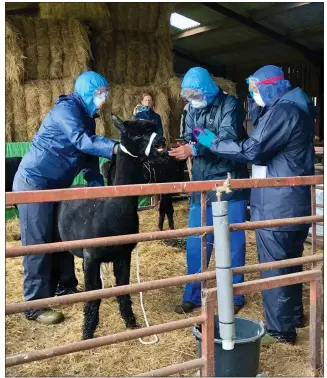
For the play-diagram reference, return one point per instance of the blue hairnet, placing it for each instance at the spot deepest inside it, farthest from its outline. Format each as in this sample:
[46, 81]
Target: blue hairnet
[269, 91]
[199, 78]
[85, 85]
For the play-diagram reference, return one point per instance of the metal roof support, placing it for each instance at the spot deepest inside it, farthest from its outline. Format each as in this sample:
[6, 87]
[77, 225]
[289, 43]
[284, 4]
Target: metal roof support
[205, 28]
[265, 13]
[215, 70]
[308, 53]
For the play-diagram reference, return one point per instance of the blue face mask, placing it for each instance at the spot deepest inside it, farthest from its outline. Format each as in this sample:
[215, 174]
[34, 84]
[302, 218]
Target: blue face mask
[197, 104]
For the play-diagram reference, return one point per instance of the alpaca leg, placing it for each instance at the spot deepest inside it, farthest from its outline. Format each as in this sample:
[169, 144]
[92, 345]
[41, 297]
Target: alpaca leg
[122, 273]
[91, 308]
[170, 211]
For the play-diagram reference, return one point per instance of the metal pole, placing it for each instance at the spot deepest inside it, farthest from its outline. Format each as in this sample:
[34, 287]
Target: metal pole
[224, 275]
[79, 346]
[315, 322]
[173, 369]
[149, 236]
[207, 332]
[15, 308]
[314, 226]
[204, 262]
[55, 195]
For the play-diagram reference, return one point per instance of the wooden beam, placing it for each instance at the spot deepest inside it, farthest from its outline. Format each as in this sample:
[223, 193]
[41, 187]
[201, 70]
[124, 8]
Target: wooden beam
[265, 13]
[308, 53]
[223, 24]
[310, 30]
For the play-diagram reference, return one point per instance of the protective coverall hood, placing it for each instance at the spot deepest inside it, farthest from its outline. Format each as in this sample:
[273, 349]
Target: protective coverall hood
[297, 97]
[86, 84]
[270, 91]
[198, 78]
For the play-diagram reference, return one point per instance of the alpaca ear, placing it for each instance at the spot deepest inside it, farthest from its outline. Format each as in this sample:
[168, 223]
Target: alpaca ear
[118, 122]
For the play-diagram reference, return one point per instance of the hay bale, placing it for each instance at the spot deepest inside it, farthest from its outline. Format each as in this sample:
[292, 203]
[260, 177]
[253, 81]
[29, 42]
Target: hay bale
[120, 58]
[141, 17]
[68, 86]
[84, 11]
[45, 98]
[32, 110]
[9, 128]
[30, 49]
[54, 49]
[132, 62]
[43, 49]
[163, 109]
[19, 110]
[165, 60]
[57, 89]
[14, 56]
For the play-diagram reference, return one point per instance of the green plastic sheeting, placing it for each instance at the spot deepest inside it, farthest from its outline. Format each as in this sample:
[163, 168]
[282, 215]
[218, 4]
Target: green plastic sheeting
[19, 149]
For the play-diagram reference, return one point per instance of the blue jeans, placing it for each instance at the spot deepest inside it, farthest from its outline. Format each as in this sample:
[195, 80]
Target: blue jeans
[236, 214]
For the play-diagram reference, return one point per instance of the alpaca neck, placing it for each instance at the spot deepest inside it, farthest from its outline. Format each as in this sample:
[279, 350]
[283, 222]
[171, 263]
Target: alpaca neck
[128, 172]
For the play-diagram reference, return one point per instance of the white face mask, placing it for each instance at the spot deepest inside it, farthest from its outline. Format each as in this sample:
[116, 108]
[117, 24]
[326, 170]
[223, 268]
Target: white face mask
[199, 104]
[99, 100]
[258, 99]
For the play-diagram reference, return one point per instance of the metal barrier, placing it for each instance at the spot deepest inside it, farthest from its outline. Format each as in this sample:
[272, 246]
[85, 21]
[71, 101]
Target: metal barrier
[206, 362]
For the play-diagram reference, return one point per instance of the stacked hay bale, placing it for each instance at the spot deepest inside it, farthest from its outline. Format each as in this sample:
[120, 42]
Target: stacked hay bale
[43, 57]
[131, 47]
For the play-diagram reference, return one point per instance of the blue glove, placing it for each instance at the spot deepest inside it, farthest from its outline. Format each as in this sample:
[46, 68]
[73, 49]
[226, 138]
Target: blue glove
[206, 138]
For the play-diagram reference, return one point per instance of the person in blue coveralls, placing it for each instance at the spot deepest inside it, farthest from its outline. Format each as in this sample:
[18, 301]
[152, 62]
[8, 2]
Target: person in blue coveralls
[210, 108]
[64, 145]
[281, 145]
[145, 111]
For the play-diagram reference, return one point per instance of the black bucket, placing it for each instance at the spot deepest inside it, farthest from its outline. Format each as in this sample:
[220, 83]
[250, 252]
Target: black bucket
[243, 360]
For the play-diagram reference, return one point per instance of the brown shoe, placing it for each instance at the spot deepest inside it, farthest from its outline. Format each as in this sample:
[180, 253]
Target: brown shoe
[50, 317]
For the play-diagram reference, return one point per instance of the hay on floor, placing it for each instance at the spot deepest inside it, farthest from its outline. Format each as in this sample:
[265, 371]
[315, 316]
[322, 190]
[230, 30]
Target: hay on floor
[157, 260]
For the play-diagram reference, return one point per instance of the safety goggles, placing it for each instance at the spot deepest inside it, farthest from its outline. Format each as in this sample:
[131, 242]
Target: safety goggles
[102, 92]
[254, 82]
[192, 94]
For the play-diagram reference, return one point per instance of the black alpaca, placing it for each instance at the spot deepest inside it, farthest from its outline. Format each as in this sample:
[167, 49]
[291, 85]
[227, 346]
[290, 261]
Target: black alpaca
[165, 170]
[94, 218]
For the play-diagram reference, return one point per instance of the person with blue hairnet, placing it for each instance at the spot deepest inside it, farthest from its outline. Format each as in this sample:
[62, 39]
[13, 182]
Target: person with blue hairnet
[281, 145]
[64, 145]
[210, 108]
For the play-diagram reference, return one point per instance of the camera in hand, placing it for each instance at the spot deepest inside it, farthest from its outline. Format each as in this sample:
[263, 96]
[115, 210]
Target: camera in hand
[143, 108]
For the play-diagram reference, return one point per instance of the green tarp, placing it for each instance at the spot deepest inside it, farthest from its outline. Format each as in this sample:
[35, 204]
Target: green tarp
[21, 148]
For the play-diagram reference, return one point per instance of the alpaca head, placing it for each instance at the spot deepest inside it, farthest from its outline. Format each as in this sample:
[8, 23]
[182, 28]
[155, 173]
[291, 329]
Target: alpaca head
[138, 139]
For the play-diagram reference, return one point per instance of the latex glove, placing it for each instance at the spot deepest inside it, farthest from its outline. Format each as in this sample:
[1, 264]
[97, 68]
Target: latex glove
[206, 137]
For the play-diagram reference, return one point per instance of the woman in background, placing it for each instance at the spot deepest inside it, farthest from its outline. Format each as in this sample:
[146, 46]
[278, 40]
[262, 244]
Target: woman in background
[145, 111]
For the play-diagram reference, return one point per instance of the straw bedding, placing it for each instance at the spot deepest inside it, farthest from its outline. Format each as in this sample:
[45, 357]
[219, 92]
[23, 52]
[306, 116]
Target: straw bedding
[157, 260]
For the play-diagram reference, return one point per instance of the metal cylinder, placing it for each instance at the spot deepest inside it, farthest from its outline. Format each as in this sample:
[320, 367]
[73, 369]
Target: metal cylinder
[224, 275]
